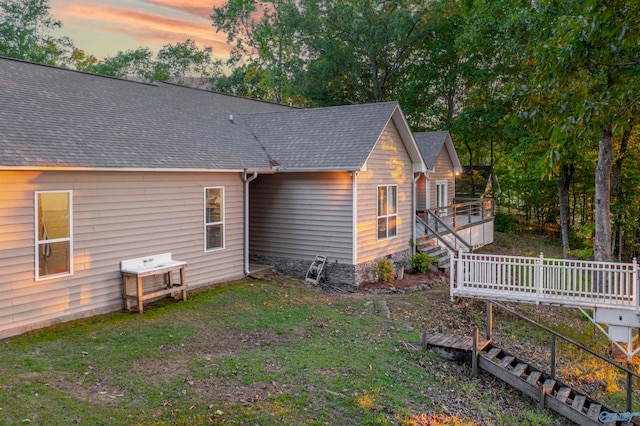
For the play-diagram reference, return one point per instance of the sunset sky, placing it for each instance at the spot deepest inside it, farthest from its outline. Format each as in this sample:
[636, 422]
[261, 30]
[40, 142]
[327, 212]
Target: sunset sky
[103, 27]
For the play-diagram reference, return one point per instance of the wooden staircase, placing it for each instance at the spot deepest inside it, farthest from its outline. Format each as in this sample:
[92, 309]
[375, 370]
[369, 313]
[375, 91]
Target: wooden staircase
[521, 375]
[549, 392]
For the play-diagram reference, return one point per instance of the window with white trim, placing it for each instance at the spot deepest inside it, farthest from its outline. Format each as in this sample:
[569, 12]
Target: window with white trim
[54, 234]
[213, 218]
[387, 211]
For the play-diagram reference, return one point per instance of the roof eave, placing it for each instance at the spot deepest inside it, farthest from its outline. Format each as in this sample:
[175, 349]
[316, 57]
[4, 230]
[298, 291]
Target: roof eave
[409, 141]
[281, 169]
[116, 169]
[457, 166]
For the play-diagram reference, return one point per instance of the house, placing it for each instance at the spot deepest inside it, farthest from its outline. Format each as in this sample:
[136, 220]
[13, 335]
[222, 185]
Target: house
[436, 188]
[95, 170]
[443, 220]
[343, 188]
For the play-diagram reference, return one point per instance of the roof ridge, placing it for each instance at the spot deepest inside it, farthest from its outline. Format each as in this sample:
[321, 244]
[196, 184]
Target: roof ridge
[315, 109]
[56, 67]
[231, 95]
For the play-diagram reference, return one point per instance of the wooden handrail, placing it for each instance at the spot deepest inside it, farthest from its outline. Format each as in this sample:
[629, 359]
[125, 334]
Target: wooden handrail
[555, 335]
[447, 228]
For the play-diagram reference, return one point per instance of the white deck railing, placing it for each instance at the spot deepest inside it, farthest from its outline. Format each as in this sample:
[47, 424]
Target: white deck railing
[549, 281]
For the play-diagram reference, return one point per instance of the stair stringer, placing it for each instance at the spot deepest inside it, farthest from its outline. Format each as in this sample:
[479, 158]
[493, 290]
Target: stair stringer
[535, 392]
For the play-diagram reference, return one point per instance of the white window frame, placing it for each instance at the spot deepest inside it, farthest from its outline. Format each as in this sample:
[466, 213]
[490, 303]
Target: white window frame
[39, 243]
[388, 215]
[222, 222]
[442, 195]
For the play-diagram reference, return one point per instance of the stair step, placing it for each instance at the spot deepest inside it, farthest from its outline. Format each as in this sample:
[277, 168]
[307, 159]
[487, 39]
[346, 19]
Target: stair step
[548, 386]
[534, 377]
[520, 369]
[563, 394]
[578, 402]
[493, 353]
[506, 361]
[594, 411]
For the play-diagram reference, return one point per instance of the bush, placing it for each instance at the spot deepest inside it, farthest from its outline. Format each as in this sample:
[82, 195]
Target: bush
[383, 270]
[421, 262]
[504, 222]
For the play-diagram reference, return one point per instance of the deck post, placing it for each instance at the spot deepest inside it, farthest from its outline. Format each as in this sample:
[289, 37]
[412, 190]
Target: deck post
[636, 294]
[489, 320]
[474, 354]
[537, 277]
[629, 389]
[452, 274]
[553, 356]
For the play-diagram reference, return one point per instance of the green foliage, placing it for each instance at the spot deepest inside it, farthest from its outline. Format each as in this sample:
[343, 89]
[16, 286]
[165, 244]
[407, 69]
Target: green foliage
[383, 270]
[25, 27]
[583, 90]
[130, 63]
[266, 35]
[180, 63]
[504, 222]
[421, 262]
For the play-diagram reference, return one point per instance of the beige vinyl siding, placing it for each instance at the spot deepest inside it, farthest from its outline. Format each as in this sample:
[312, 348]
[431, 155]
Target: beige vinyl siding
[116, 216]
[388, 164]
[443, 171]
[301, 215]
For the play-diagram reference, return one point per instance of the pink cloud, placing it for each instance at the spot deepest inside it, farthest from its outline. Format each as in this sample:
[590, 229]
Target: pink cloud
[147, 27]
[200, 8]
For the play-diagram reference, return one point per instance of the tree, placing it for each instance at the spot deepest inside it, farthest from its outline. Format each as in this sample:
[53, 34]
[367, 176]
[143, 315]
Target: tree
[332, 51]
[135, 63]
[184, 63]
[263, 34]
[359, 50]
[590, 67]
[25, 27]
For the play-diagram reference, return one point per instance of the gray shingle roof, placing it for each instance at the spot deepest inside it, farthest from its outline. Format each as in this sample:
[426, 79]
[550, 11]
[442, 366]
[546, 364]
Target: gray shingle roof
[337, 138]
[430, 144]
[55, 117]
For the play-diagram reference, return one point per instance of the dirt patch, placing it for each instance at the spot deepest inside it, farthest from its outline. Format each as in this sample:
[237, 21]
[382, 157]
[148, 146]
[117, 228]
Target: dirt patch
[219, 390]
[209, 345]
[410, 282]
[95, 393]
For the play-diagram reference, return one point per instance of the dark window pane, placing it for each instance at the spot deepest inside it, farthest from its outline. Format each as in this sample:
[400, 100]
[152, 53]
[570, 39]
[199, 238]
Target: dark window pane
[54, 258]
[214, 237]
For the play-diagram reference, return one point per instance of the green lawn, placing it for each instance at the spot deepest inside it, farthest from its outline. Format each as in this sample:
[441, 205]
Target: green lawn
[256, 352]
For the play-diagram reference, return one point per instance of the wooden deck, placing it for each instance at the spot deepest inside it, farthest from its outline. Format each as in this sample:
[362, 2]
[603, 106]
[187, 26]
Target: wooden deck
[450, 346]
[462, 343]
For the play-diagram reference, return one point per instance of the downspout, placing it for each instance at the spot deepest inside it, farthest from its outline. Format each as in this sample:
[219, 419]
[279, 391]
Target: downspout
[414, 206]
[354, 225]
[247, 180]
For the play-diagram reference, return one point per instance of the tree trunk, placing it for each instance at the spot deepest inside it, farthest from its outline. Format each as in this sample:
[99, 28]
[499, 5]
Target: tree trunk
[602, 244]
[564, 184]
[617, 166]
[473, 183]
